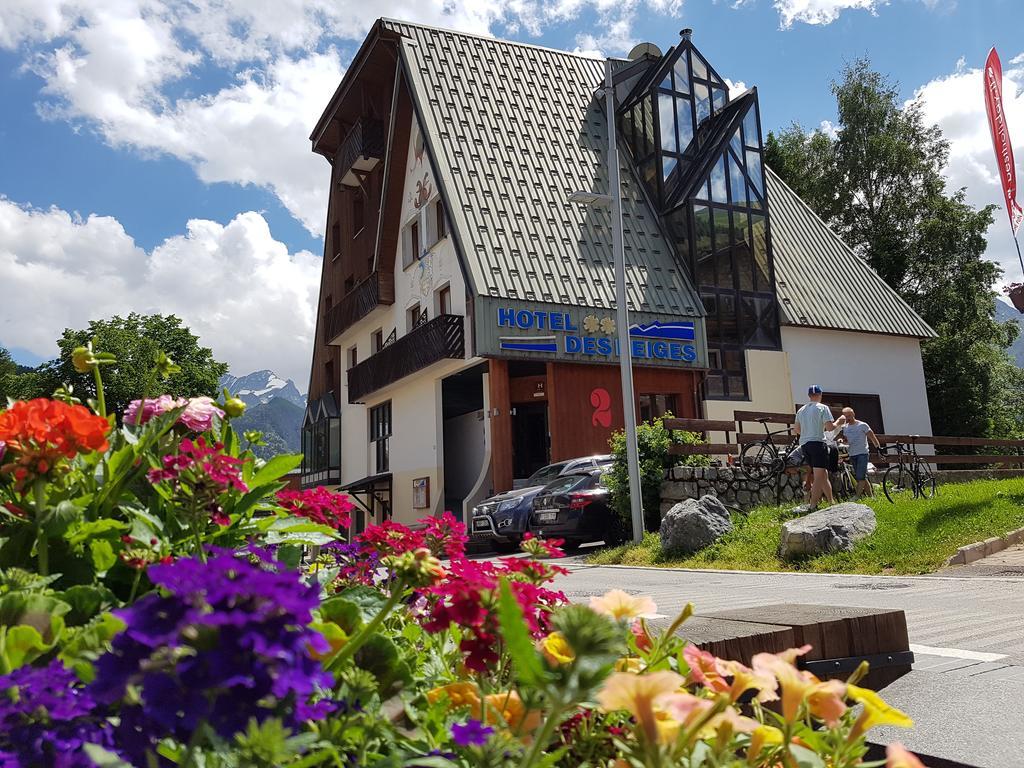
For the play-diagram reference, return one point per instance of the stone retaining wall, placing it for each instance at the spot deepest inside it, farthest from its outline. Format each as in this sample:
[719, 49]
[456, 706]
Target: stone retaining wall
[728, 484]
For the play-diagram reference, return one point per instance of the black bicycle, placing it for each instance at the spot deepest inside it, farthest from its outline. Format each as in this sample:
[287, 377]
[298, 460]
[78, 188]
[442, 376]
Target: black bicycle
[762, 461]
[910, 474]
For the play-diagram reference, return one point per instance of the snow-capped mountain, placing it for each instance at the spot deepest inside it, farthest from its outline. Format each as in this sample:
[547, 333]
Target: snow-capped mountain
[262, 387]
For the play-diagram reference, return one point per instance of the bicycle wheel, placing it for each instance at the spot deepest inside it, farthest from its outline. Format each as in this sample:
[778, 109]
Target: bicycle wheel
[758, 462]
[925, 484]
[896, 483]
[844, 486]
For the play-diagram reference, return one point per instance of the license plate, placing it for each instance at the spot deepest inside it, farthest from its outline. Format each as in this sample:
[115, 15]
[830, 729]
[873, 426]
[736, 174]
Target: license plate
[547, 515]
[481, 524]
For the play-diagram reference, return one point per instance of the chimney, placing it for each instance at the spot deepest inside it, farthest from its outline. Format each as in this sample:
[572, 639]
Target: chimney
[686, 34]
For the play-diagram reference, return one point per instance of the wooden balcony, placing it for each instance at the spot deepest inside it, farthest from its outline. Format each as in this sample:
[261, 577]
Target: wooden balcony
[361, 150]
[437, 339]
[376, 290]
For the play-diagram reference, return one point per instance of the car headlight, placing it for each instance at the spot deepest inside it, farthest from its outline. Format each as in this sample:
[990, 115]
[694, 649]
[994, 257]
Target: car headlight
[508, 506]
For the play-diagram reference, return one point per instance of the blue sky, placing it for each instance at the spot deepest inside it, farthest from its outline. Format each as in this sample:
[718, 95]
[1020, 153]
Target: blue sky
[155, 155]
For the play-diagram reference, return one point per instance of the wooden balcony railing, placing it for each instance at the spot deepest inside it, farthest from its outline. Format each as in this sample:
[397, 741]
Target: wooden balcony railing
[375, 290]
[361, 150]
[437, 339]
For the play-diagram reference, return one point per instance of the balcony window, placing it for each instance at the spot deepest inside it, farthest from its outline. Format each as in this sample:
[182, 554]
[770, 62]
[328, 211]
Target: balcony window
[380, 436]
[377, 340]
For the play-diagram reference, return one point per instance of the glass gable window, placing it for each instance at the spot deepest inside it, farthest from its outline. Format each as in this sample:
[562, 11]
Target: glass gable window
[700, 157]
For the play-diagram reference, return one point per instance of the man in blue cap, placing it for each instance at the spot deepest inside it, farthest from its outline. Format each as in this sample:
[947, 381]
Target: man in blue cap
[812, 421]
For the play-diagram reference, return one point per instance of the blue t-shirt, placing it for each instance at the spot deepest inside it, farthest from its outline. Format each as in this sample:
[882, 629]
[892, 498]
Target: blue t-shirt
[812, 419]
[857, 437]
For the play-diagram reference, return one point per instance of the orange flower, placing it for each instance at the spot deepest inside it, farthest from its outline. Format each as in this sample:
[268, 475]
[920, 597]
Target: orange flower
[458, 695]
[824, 700]
[744, 679]
[705, 669]
[622, 605]
[898, 757]
[638, 695]
[39, 432]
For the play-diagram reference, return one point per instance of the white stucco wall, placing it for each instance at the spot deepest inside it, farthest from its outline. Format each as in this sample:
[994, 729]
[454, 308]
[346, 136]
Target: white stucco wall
[417, 429]
[769, 385]
[862, 363]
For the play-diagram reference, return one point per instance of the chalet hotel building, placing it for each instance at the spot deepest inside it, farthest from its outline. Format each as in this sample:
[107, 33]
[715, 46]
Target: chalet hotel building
[466, 324]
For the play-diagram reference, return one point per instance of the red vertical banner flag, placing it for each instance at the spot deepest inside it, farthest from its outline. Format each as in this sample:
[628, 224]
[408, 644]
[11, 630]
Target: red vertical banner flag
[1001, 138]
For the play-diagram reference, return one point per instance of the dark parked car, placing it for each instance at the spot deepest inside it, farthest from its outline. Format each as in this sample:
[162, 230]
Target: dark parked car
[502, 519]
[576, 508]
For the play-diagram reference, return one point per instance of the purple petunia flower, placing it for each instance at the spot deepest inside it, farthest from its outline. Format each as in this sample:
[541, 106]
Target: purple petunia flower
[46, 717]
[227, 643]
[472, 733]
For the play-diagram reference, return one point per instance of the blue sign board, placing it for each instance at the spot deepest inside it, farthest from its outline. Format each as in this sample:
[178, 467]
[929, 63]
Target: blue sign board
[558, 333]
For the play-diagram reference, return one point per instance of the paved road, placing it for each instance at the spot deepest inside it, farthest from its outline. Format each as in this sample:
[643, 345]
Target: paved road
[966, 692]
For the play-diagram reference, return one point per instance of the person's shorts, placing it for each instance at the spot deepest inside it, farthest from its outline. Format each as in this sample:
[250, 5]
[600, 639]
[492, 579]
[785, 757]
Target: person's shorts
[816, 454]
[860, 466]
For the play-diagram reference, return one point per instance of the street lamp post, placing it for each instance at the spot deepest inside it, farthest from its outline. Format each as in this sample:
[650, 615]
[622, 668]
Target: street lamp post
[614, 201]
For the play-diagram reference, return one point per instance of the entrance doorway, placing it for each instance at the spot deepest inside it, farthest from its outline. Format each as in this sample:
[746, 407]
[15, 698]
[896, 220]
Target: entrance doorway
[463, 447]
[531, 446]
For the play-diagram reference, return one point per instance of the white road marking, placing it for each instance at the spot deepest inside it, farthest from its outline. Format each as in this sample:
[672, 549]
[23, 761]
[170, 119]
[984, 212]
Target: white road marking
[956, 653]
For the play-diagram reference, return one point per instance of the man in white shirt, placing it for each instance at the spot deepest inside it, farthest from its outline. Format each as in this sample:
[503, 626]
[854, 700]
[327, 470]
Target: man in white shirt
[812, 421]
[858, 433]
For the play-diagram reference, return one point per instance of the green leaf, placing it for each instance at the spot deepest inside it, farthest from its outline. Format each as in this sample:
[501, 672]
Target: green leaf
[345, 613]
[276, 468]
[369, 600]
[310, 539]
[101, 758]
[380, 657]
[27, 608]
[17, 548]
[84, 530]
[525, 659]
[86, 602]
[82, 644]
[59, 518]
[21, 645]
[255, 495]
[103, 557]
[805, 758]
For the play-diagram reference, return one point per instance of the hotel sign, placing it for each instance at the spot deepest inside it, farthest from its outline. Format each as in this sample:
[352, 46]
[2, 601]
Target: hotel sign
[578, 334]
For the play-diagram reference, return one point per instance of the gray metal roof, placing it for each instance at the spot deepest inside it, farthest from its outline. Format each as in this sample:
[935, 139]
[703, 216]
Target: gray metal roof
[515, 129]
[821, 282]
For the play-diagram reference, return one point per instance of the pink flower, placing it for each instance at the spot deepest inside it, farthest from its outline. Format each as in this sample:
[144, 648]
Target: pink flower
[151, 407]
[197, 416]
[199, 413]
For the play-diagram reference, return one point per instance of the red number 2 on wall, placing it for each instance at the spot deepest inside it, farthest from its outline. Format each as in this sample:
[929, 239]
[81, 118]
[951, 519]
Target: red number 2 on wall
[602, 402]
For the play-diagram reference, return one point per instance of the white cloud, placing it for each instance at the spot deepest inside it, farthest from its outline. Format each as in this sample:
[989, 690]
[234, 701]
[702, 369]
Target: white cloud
[737, 88]
[128, 69]
[820, 11]
[955, 102]
[233, 284]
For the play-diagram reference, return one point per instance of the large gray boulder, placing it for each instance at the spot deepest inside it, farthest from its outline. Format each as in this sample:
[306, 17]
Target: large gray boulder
[831, 529]
[693, 524]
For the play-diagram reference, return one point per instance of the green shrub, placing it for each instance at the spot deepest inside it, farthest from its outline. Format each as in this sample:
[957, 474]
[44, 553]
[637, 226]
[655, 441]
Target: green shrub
[653, 442]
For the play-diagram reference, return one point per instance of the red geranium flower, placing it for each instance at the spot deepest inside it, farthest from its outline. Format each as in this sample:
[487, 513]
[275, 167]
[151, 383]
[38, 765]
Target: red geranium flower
[319, 505]
[39, 433]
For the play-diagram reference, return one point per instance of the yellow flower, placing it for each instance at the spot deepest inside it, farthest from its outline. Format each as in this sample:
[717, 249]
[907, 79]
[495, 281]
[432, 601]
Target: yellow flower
[556, 649]
[629, 664]
[876, 712]
[638, 695]
[622, 605]
[763, 736]
[458, 695]
[898, 757]
[513, 712]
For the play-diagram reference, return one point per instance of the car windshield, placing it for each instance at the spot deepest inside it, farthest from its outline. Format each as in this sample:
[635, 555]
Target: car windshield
[566, 484]
[545, 475]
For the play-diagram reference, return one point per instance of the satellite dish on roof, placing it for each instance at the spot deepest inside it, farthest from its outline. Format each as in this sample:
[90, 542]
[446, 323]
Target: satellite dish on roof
[644, 49]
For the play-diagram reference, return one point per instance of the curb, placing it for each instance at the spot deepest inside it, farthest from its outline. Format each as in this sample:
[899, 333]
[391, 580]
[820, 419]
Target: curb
[974, 552]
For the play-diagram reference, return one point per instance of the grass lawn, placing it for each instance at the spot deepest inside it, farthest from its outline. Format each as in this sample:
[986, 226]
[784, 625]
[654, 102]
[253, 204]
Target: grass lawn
[911, 537]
